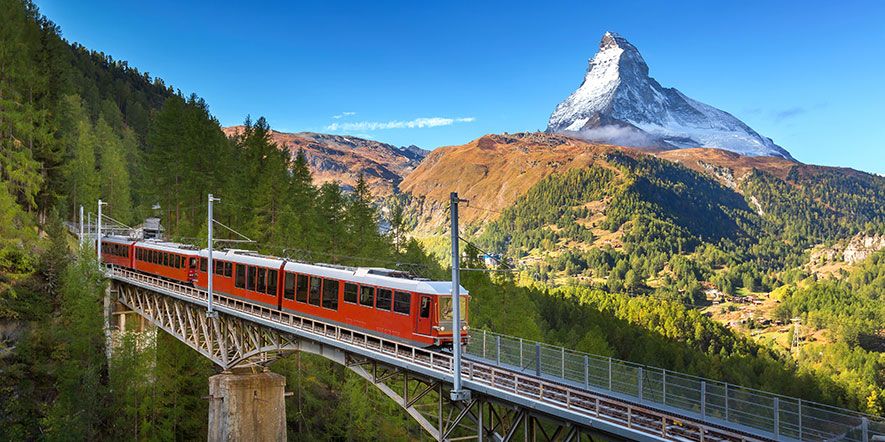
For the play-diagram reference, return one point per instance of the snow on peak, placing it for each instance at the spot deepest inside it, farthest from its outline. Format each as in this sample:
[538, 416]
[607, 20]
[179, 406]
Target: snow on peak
[619, 103]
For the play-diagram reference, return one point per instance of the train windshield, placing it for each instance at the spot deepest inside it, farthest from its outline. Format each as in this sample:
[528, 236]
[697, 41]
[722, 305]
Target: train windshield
[445, 309]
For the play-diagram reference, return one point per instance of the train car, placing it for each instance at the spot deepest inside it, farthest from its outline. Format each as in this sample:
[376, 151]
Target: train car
[377, 301]
[166, 259]
[117, 250]
[243, 274]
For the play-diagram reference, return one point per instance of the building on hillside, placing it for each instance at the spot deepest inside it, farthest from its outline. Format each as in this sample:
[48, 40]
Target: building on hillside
[150, 229]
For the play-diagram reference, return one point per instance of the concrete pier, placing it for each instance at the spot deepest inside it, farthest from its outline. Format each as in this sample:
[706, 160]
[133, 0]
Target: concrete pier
[247, 406]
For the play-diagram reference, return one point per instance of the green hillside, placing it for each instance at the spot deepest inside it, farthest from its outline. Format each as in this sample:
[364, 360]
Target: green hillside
[659, 231]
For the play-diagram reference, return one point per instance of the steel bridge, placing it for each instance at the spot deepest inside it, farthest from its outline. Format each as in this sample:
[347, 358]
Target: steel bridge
[520, 389]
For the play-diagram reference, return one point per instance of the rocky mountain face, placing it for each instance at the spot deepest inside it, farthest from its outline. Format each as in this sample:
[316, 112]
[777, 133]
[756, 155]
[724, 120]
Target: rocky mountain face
[492, 172]
[343, 158]
[619, 103]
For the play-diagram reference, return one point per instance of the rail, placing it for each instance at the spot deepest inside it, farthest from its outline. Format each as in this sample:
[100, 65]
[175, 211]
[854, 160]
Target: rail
[780, 415]
[581, 387]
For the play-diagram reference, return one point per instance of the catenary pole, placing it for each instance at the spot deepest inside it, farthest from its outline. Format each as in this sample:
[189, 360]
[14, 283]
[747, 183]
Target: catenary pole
[98, 232]
[458, 393]
[210, 267]
[81, 227]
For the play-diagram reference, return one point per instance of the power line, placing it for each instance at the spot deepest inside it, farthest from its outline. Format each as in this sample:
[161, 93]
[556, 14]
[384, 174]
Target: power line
[482, 208]
[232, 230]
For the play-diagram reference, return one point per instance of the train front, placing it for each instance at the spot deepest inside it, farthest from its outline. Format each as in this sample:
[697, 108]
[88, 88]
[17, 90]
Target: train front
[445, 315]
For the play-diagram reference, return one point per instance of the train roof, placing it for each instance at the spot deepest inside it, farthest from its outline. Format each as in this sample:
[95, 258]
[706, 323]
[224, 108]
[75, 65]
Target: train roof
[244, 257]
[381, 277]
[186, 249]
[117, 239]
[375, 276]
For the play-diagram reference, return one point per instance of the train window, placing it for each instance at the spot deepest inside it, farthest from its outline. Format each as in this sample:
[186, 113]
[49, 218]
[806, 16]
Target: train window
[228, 269]
[240, 281]
[402, 302]
[176, 261]
[219, 267]
[262, 284]
[301, 293]
[153, 256]
[203, 263]
[250, 278]
[350, 292]
[166, 259]
[330, 294]
[383, 302]
[289, 287]
[315, 284]
[193, 263]
[271, 282]
[425, 307]
[367, 296]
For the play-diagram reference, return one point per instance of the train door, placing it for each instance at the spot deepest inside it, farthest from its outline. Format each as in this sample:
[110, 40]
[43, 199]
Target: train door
[423, 322]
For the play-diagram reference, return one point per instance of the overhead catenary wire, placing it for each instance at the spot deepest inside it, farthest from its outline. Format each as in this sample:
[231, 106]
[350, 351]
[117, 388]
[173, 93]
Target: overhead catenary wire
[116, 221]
[486, 209]
[245, 238]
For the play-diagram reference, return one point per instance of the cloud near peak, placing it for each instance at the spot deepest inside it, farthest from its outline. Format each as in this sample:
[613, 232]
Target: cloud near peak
[343, 114]
[417, 123]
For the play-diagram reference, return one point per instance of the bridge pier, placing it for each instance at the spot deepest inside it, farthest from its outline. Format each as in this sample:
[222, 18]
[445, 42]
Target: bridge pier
[247, 406]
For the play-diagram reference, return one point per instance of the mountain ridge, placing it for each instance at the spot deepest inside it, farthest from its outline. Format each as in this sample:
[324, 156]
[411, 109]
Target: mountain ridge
[619, 103]
[343, 158]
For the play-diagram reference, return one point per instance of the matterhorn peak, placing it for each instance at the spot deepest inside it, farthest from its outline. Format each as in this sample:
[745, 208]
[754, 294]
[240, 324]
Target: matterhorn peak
[619, 103]
[613, 40]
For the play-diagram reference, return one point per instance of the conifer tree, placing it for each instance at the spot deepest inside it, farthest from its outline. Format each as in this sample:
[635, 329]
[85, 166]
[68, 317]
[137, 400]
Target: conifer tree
[113, 175]
[81, 178]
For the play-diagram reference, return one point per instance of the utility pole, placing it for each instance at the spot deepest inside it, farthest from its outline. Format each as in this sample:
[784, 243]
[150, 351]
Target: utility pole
[797, 338]
[81, 228]
[210, 274]
[458, 393]
[98, 232]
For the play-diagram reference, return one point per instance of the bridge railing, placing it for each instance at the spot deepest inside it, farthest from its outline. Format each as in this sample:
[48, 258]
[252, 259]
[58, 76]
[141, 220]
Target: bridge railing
[783, 416]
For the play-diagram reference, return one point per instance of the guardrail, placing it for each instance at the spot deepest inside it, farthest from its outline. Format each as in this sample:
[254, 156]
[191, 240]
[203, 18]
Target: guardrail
[782, 416]
[558, 397]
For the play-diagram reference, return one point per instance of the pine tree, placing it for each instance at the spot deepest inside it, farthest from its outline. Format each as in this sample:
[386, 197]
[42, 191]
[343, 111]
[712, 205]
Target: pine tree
[113, 175]
[361, 221]
[81, 178]
[299, 217]
[80, 411]
[333, 236]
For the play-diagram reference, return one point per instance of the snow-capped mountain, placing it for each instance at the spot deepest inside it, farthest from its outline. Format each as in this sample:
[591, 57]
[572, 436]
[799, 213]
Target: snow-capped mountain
[619, 103]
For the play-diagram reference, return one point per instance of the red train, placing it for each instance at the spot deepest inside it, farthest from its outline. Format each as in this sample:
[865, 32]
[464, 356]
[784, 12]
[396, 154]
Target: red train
[375, 300]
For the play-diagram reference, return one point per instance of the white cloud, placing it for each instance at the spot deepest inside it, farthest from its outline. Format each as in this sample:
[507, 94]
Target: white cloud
[343, 114]
[417, 123]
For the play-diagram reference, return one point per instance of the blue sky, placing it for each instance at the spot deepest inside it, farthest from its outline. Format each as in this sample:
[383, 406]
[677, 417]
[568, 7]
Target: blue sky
[807, 74]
